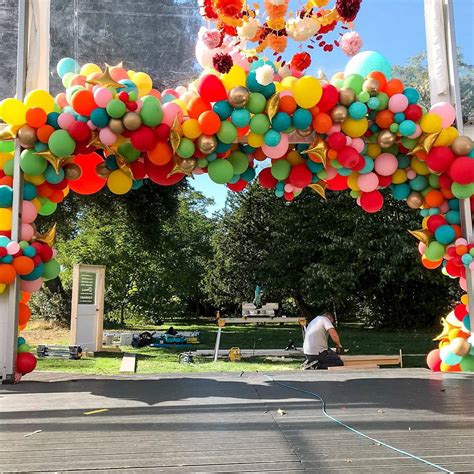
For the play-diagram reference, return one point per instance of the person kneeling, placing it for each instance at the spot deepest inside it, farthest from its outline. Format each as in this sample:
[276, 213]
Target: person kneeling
[315, 346]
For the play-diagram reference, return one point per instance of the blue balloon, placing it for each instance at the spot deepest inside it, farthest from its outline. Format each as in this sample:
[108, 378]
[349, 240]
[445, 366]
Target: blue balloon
[357, 110]
[272, 138]
[223, 109]
[302, 119]
[367, 62]
[66, 65]
[240, 117]
[6, 196]
[281, 121]
[401, 191]
[445, 234]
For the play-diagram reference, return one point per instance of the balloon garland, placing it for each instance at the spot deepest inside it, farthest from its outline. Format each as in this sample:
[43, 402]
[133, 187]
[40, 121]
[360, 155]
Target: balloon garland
[363, 131]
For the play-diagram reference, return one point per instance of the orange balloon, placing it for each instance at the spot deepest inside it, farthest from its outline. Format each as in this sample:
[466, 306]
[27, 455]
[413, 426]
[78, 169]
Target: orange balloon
[431, 264]
[7, 273]
[43, 133]
[287, 104]
[161, 153]
[449, 368]
[209, 122]
[434, 198]
[25, 297]
[259, 155]
[23, 265]
[458, 232]
[197, 106]
[384, 118]
[241, 132]
[394, 86]
[332, 154]
[24, 314]
[6, 181]
[83, 102]
[22, 327]
[447, 193]
[36, 117]
[44, 189]
[380, 76]
[322, 123]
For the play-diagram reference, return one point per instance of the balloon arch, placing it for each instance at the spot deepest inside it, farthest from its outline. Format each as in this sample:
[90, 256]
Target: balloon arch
[363, 131]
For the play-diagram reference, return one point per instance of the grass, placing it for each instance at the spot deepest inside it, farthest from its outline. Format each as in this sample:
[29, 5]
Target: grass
[358, 341]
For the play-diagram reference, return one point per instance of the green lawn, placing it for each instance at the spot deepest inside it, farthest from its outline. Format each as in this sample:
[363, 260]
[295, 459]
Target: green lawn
[358, 341]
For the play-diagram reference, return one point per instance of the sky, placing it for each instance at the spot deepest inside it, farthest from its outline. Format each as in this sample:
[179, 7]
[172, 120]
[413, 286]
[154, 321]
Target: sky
[394, 28]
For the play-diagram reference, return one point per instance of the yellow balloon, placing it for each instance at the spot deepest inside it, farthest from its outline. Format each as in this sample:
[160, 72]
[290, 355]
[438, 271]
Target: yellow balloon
[2, 287]
[464, 299]
[37, 203]
[373, 150]
[191, 129]
[182, 105]
[355, 128]
[255, 140]
[288, 82]
[90, 68]
[419, 166]
[37, 180]
[307, 91]
[13, 112]
[66, 191]
[143, 82]
[41, 99]
[431, 123]
[5, 219]
[295, 158]
[235, 77]
[399, 177]
[130, 73]
[352, 181]
[278, 87]
[119, 183]
[4, 157]
[446, 137]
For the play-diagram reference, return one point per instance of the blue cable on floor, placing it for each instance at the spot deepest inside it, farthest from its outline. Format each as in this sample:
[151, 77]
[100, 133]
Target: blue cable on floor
[350, 428]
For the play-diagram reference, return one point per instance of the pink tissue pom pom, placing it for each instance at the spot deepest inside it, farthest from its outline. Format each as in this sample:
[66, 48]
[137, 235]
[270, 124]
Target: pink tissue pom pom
[212, 38]
[351, 43]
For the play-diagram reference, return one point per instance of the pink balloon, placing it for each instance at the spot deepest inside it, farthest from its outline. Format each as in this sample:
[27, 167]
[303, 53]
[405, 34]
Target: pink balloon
[65, 120]
[240, 60]
[27, 232]
[78, 81]
[91, 125]
[107, 137]
[335, 128]
[348, 141]
[118, 73]
[386, 164]
[278, 151]
[331, 172]
[444, 208]
[398, 103]
[358, 144]
[421, 248]
[13, 248]
[170, 111]
[463, 283]
[417, 133]
[411, 174]
[102, 96]
[446, 111]
[368, 182]
[461, 241]
[28, 212]
[286, 92]
[170, 92]
[289, 188]
[61, 100]
[31, 286]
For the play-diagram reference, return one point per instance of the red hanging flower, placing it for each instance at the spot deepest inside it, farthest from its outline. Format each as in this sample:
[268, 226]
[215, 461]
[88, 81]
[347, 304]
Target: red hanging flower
[230, 8]
[348, 9]
[222, 63]
[301, 61]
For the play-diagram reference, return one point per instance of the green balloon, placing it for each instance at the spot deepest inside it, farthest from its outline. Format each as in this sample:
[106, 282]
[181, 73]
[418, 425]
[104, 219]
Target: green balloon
[339, 83]
[259, 124]
[354, 82]
[227, 132]
[434, 251]
[151, 112]
[363, 96]
[116, 108]
[433, 179]
[23, 348]
[47, 207]
[51, 270]
[383, 100]
[220, 171]
[7, 147]
[32, 164]
[281, 169]
[129, 152]
[202, 162]
[239, 161]
[8, 167]
[409, 143]
[462, 191]
[70, 91]
[467, 363]
[186, 148]
[61, 144]
[256, 103]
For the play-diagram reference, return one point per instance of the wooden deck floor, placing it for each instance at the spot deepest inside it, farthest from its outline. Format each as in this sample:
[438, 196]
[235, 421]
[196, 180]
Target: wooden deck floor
[230, 423]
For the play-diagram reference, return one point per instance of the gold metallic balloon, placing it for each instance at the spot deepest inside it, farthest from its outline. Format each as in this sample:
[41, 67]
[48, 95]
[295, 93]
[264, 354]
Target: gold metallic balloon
[72, 171]
[415, 200]
[186, 164]
[207, 144]
[27, 136]
[131, 121]
[346, 96]
[116, 126]
[459, 346]
[339, 113]
[371, 86]
[386, 138]
[102, 170]
[306, 132]
[462, 145]
[238, 96]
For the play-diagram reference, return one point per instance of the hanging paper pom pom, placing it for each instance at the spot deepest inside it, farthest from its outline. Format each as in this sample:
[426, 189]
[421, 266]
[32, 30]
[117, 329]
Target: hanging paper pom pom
[348, 9]
[277, 43]
[230, 8]
[222, 62]
[212, 39]
[248, 30]
[264, 75]
[351, 43]
[301, 61]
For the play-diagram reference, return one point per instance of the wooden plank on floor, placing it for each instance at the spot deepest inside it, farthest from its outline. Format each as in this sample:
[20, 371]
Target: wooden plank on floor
[129, 363]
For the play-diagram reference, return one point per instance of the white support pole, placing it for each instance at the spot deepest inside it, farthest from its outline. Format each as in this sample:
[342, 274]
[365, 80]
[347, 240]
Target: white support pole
[9, 299]
[444, 86]
[218, 343]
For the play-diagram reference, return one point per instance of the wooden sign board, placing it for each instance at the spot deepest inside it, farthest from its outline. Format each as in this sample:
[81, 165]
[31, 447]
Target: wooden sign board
[87, 309]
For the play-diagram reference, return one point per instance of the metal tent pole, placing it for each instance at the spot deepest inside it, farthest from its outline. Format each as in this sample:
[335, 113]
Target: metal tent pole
[9, 299]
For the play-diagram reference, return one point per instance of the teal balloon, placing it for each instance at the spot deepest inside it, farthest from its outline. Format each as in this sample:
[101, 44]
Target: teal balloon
[239, 162]
[32, 164]
[449, 357]
[272, 138]
[248, 175]
[256, 103]
[220, 171]
[357, 110]
[268, 90]
[53, 177]
[412, 95]
[21, 340]
[186, 148]
[51, 269]
[35, 274]
[111, 163]
[407, 128]
[151, 112]
[453, 217]
[281, 169]
[227, 133]
[445, 234]
[252, 84]
[281, 121]
[66, 65]
[302, 119]
[367, 62]
[419, 183]
[368, 166]
[99, 117]
[223, 109]
[401, 191]
[6, 196]
[61, 144]
[240, 117]
[466, 322]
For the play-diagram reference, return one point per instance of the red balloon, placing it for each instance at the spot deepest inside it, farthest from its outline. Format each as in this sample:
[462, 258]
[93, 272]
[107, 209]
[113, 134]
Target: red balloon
[338, 183]
[348, 157]
[25, 362]
[138, 169]
[337, 141]
[143, 139]
[89, 182]
[210, 88]
[162, 131]
[385, 181]
[328, 99]
[371, 202]
[300, 176]
[460, 311]
[238, 186]
[289, 196]
[46, 253]
[439, 158]
[413, 112]
[462, 170]
[433, 360]
[452, 269]
[266, 178]
[435, 221]
[159, 174]
[360, 164]
[79, 131]
[445, 181]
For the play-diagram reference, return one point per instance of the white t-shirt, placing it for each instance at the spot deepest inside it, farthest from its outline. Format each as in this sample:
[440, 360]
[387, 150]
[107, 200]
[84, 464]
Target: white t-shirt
[316, 338]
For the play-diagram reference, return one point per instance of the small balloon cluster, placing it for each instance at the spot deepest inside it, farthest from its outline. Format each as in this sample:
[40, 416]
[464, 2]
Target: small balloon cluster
[363, 131]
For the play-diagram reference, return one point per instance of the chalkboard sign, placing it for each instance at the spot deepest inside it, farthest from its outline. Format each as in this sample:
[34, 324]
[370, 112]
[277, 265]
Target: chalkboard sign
[87, 282]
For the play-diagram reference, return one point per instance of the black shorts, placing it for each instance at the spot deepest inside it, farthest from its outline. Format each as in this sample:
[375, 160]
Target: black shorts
[325, 359]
